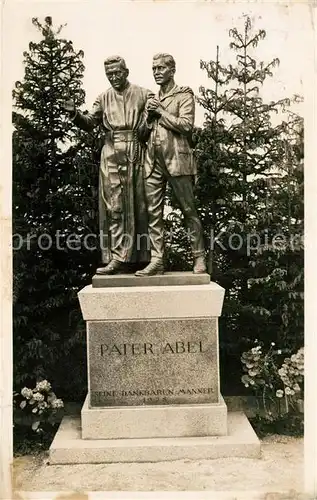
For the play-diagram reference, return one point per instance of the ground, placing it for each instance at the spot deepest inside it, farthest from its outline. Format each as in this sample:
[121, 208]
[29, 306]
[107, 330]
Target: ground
[279, 470]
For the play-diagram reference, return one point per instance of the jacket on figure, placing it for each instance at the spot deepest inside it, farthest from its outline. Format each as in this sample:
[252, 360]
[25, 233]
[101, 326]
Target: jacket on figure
[173, 130]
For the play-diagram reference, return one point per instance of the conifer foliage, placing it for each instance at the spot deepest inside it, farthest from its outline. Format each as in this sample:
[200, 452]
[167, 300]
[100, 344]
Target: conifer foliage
[250, 190]
[54, 185]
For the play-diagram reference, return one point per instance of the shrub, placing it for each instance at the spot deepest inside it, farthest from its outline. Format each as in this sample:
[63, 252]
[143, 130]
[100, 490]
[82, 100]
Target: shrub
[278, 387]
[37, 406]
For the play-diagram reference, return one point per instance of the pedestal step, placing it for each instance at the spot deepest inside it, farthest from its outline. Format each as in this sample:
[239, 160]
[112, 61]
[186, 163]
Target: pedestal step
[154, 421]
[69, 448]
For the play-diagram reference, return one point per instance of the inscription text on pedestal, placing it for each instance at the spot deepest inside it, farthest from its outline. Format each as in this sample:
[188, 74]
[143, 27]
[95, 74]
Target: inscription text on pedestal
[153, 362]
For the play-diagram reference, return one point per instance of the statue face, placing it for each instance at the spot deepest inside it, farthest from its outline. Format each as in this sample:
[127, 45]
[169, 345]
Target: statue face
[117, 75]
[162, 72]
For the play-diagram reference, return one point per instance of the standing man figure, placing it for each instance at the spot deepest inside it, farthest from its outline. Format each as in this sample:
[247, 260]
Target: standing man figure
[122, 208]
[169, 158]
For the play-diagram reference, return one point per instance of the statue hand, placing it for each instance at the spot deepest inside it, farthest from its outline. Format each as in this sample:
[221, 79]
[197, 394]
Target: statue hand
[69, 106]
[154, 105]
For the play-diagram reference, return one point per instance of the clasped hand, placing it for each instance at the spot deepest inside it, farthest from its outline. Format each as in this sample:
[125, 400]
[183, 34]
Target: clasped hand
[154, 105]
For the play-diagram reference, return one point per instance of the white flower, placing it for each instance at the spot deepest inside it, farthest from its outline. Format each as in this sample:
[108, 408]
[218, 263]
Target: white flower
[288, 391]
[57, 403]
[273, 344]
[279, 393]
[38, 397]
[43, 385]
[279, 351]
[27, 393]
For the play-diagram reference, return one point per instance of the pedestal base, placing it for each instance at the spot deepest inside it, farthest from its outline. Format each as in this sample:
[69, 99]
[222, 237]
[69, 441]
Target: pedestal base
[69, 448]
[157, 421]
[152, 345]
[153, 376]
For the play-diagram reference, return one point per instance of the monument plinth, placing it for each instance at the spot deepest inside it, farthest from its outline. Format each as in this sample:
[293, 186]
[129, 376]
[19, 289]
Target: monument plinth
[166, 279]
[153, 376]
[156, 361]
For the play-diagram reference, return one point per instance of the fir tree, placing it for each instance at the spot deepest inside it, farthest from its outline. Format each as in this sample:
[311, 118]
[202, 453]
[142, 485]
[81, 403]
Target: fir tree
[277, 284]
[54, 196]
[244, 195]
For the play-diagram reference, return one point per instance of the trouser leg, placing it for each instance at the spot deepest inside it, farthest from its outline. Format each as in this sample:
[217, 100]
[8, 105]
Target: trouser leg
[155, 186]
[183, 189]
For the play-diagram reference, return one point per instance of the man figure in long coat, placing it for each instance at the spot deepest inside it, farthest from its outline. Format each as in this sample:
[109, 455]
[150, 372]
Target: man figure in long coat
[169, 158]
[123, 220]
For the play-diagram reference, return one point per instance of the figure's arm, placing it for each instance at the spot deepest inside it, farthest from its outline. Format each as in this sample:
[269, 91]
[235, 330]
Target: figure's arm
[146, 123]
[183, 123]
[90, 120]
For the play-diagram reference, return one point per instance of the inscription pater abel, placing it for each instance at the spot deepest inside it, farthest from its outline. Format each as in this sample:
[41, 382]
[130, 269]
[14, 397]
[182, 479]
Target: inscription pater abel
[153, 362]
[144, 348]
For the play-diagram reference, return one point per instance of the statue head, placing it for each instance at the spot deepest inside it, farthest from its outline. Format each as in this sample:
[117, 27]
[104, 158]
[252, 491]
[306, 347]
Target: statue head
[116, 72]
[163, 68]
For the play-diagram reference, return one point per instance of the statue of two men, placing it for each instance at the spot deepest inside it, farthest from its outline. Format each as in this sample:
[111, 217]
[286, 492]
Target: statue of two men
[147, 145]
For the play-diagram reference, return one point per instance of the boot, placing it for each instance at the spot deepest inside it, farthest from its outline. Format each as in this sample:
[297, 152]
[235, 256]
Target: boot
[153, 268]
[114, 267]
[199, 265]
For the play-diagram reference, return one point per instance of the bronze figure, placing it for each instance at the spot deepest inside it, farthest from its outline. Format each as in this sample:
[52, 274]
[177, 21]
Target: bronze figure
[123, 219]
[169, 158]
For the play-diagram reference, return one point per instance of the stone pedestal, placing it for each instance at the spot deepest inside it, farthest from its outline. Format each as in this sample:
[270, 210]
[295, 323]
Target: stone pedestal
[154, 421]
[153, 375]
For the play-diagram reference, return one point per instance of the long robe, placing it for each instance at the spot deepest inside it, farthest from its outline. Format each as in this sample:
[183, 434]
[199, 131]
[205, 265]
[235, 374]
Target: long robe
[123, 221]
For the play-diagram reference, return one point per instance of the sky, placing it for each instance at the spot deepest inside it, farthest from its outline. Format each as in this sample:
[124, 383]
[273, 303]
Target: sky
[189, 30]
